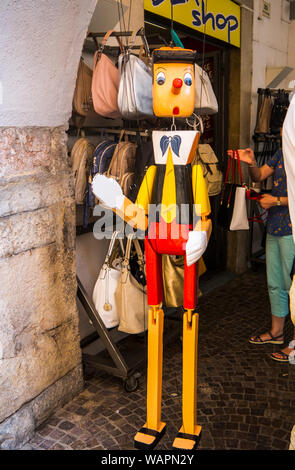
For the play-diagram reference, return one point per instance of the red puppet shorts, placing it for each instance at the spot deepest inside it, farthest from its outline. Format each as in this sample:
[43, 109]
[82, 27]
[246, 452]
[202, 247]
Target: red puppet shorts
[168, 239]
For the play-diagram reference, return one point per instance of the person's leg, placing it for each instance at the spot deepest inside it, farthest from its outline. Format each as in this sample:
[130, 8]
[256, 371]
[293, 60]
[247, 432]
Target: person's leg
[277, 294]
[287, 253]
[292, 300]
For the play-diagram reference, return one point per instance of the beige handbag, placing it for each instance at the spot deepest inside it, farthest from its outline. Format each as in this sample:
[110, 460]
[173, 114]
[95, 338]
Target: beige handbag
[130, 296]
[81, 156]
[264, 115]
[122, 165]
[209, 162]
[82, 100]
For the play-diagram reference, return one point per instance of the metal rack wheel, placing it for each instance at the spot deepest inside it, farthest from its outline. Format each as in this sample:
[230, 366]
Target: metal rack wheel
[131, 384]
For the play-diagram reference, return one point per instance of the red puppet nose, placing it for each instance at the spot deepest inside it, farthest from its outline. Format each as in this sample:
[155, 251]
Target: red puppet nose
[176, 85]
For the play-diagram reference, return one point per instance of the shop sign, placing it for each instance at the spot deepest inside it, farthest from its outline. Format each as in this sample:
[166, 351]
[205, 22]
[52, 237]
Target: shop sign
[220, 19]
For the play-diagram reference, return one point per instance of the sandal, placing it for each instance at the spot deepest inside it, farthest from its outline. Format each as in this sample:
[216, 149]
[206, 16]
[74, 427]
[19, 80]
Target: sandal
[281, 356]
[273, 339]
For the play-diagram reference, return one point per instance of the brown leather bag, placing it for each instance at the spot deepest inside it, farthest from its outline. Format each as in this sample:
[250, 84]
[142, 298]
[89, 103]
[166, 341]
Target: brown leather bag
[81, 156]
[82, 100]
[264, 115]
[122, 165]
[127, 183]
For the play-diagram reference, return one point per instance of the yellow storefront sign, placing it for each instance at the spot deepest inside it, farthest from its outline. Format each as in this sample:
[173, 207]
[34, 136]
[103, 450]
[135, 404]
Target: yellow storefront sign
[217, 18]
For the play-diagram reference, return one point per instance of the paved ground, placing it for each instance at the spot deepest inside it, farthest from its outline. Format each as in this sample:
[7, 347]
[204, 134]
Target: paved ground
[245, 399]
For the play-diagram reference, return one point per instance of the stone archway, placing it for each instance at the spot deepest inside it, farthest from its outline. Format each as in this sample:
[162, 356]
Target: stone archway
[40, 357]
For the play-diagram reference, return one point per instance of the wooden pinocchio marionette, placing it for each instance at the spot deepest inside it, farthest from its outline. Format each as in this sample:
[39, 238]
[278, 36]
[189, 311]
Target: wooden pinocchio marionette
[172, 207]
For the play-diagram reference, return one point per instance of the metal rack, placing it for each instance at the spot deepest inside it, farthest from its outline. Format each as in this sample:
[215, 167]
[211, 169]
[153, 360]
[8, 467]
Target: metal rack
[265, 145]
[114, 363]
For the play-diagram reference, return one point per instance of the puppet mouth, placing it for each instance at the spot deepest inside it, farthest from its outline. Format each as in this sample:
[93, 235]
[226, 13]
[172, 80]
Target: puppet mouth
[175, 110]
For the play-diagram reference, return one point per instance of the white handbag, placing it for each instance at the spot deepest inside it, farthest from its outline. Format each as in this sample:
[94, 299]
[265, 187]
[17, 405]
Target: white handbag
[205, 99]
[239, 219]
[106, 285]
[135, 95]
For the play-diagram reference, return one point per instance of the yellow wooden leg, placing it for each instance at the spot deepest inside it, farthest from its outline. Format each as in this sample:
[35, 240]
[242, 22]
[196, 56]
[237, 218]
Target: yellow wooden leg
[150, 434]
[189, 434]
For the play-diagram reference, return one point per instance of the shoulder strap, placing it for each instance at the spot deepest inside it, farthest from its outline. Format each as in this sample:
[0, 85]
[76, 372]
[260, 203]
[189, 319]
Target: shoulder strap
[111, 246]
[138, 251]
[239, 166]
[103, 43]
[144, 40]
[106, 37]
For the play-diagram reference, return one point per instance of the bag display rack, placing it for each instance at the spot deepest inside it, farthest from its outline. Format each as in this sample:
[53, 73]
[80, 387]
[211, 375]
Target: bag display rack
[265, 146]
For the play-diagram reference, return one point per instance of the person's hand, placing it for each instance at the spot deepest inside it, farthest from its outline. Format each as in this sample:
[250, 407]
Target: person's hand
[195, 246]
[108, 191]
[246, 155]
[267, 200]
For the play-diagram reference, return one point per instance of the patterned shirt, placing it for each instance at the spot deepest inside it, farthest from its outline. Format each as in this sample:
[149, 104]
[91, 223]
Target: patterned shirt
[279, 223]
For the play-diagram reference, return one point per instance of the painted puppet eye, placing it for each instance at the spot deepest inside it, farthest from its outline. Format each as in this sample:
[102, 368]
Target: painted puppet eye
[161, 78]
[188, 79]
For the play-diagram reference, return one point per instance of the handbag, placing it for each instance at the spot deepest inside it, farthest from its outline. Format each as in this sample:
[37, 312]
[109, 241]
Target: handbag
[264, 114]
[131, 296]
[122, 165]
[205, 99]
[81, 156]
[82, 99]
[144, 158]
[173, 278]
[105, 287]
[135, 96]
[209, 162]
[105, 82]
[232, 213]
[278, 113]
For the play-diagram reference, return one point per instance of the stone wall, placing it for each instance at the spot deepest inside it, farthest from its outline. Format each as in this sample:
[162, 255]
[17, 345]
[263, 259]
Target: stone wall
[40, 357]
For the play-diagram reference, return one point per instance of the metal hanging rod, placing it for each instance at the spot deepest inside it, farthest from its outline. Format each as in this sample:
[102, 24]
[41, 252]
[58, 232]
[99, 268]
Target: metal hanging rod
[273, 91]
[144, 133]
[115, 34]
[94, 130]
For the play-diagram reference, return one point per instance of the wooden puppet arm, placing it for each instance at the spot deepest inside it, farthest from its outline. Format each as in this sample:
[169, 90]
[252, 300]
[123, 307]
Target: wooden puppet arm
[109, 192]
[133, 214]
[204, 225]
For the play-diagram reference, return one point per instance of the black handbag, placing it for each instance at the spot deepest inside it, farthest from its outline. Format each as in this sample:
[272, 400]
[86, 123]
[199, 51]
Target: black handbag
[144, 158]
[279, 111]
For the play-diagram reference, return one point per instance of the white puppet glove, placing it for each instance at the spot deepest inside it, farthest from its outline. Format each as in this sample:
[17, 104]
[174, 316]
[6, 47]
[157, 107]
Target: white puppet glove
[108, 191]
[195, 246]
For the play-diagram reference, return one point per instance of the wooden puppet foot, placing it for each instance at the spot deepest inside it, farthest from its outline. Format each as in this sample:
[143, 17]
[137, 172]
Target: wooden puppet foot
[147, 438]
[187, 441]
